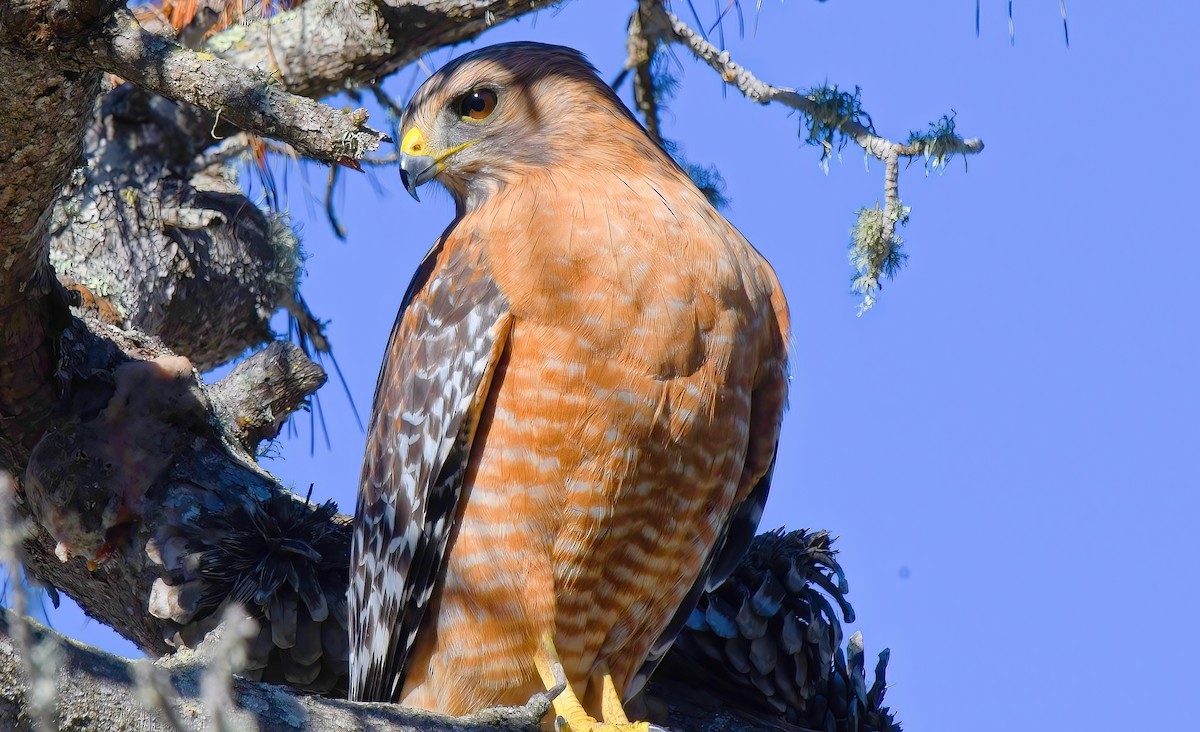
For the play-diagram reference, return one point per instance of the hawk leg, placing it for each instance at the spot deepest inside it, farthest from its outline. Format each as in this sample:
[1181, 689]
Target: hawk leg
[571, 715]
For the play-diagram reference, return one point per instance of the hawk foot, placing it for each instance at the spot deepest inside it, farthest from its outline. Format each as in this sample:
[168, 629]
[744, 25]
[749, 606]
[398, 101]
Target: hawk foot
[587, 724]
[570, 716]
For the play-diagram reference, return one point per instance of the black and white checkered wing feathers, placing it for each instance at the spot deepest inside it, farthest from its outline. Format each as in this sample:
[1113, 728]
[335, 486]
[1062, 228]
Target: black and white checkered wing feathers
[444, 347]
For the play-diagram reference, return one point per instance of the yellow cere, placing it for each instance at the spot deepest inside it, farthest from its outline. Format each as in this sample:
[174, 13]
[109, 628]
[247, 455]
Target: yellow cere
[414, 144]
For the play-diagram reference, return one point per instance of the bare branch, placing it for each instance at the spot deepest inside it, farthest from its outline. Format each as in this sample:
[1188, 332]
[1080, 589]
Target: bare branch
[394, 108]
[322, 46]
[253, 100]
[875, 247]
[641, 44]
[260, 394]
[228, 657]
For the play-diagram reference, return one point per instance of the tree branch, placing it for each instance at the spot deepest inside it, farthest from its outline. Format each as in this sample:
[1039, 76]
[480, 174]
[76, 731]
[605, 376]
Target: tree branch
[137, 446]
[97, 692]
[641, 44]
[670, 27]
[260, 394]
[322, 46]
[875, 248]
[253, 100]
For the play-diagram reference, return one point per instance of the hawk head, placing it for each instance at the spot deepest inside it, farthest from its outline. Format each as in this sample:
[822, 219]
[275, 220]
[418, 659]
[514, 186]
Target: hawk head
[495, 114]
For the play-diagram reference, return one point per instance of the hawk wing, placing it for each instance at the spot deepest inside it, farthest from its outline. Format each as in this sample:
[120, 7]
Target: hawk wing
[448, 337]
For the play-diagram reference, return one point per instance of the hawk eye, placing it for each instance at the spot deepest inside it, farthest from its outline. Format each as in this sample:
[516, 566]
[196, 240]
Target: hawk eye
[477, 105]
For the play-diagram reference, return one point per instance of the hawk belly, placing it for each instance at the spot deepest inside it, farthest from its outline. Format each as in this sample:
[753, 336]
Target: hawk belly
[596, 490]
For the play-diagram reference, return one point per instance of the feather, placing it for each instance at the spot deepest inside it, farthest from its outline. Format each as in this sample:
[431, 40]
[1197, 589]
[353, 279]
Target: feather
[795, 674]
[282, 614]
[307, 649]
[444, 347]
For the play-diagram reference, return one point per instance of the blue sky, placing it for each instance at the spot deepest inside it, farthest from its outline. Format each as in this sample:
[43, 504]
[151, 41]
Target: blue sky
[1006, 444]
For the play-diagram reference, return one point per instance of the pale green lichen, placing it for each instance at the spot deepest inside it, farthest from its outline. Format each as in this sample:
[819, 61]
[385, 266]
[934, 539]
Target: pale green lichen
[875, 250]
[832, 109]
[939, 144]
[234, 37]
[288, 261]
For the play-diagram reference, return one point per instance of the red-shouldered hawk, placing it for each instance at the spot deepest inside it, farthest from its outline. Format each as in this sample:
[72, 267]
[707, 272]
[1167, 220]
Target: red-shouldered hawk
[576, 421]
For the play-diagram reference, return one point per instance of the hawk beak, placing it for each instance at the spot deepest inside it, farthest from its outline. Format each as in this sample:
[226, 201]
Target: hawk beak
[415, 170]
[416, 164]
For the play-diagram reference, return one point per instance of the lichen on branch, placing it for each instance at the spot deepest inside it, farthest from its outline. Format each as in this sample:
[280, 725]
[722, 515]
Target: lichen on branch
[830, 117]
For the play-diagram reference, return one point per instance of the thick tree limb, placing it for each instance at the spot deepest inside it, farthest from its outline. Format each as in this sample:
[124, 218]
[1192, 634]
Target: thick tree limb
[251, 99]
[155, 234]
[44, 110]
[323, 46]
[138, 446]
[98, 692]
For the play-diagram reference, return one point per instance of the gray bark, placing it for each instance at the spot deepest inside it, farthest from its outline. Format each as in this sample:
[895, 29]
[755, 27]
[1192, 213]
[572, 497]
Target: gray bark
[99, 692]
[157, 235]
[260, 394]
[324, 46]
[252, 99]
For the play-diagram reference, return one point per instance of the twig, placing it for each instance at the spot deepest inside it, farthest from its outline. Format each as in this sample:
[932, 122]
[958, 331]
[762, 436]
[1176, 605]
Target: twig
[330, 207]
[228, 657]
[225, 153]
[392, 106]
[641, 46]
[891, 197]
[152, 687]
[391, 158]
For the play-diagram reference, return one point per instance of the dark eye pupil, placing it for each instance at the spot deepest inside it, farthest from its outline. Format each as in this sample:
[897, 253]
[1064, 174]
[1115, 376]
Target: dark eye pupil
[477, 105]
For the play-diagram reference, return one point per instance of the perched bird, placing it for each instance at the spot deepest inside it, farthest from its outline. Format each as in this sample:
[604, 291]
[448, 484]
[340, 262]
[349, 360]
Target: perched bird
[576, 421]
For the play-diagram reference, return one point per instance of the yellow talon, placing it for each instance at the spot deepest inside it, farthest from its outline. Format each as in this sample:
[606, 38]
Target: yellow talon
[610, 699]
[571, 715]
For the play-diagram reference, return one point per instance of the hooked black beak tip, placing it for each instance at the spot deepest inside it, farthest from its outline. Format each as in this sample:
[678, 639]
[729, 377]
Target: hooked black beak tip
[409, 181]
